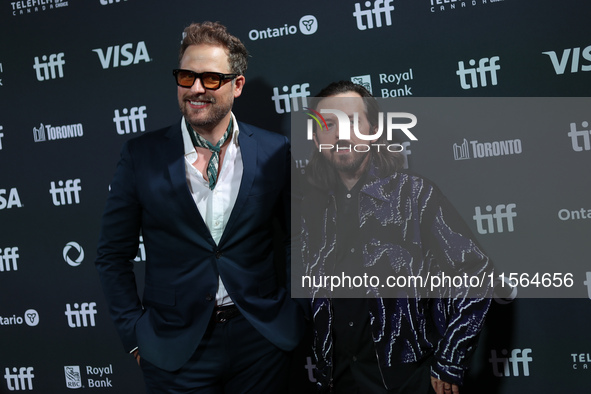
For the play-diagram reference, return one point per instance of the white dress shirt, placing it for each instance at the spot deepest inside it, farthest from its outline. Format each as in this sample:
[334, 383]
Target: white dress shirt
[215, 206]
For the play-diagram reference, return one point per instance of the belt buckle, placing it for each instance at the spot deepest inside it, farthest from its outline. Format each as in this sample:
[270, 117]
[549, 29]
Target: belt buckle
[219, 317]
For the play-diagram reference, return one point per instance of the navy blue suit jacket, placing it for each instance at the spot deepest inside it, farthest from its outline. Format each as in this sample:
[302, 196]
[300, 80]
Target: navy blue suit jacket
[149, 193]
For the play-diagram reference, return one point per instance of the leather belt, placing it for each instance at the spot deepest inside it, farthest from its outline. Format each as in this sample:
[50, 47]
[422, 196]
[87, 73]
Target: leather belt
[222, 314]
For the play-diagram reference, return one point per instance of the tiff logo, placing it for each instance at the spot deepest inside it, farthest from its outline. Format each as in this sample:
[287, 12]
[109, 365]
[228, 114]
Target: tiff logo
[82, 315]
[310, 367]
[502, 212]
[518, 356]
[560, 65]
[297, 91]
[21, 379]
[588, 283]
[65, 195]
[141, 253]
[136, 115]
[10, 256]
[123, 55]
[379, 7]
[485, 66]
[107, 2]
[574, 134]
[51, 69]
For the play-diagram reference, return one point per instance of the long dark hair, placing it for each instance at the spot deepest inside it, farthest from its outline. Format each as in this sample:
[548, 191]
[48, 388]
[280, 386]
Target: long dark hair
[320, 172]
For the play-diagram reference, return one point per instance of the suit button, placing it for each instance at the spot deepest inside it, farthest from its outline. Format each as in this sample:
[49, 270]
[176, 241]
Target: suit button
[218, 254]
[209, 297]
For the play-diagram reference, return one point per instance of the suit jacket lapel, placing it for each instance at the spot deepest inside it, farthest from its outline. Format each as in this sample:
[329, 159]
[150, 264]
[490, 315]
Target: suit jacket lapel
[248, 150]
[175, 158]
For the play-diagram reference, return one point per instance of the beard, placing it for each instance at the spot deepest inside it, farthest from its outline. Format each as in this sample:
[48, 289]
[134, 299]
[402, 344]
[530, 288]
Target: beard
[207, 117]
[349, 163]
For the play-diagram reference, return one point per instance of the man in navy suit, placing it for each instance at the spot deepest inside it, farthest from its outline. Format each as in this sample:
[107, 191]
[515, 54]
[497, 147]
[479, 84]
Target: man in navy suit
[205, 194]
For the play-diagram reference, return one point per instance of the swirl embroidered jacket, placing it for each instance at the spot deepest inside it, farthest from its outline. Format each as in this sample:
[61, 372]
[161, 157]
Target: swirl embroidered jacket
[407, 228]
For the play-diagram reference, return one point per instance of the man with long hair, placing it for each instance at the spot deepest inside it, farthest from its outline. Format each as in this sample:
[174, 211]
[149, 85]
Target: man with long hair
[363, 215]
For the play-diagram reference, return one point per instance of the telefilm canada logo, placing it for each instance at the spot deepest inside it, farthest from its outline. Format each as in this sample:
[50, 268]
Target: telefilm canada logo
[452, 5]
[344, 129]
[25, 7]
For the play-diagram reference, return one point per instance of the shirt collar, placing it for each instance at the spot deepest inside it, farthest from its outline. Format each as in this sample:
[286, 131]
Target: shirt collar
[189, 149]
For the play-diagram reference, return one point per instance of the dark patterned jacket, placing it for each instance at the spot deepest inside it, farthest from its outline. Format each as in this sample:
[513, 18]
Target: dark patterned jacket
[408, 228]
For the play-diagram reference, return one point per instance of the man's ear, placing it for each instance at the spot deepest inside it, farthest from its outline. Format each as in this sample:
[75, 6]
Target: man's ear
[238, 85]
[315, 136]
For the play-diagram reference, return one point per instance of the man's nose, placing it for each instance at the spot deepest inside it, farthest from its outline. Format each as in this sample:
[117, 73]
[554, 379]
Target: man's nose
[198, 86]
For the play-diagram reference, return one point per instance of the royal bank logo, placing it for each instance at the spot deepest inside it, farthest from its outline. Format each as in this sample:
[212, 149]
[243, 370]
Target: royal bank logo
[73, 377]
[307, 25]
[288, 100]
[577, 136]
[363, 80]
[1, 135]
[573, 56]
[365, 18]
[390, 84]
[96, 377]
[478, 150]
[123, 55]
[52, 133]
[107, 2]
[1, 71]
[73, 254]
[25, 7]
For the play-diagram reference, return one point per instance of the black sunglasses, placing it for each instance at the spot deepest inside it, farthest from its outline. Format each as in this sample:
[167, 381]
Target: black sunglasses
[209, 80]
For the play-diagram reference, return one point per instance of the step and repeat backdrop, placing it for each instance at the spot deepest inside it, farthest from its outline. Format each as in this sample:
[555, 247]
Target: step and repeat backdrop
[500, 90]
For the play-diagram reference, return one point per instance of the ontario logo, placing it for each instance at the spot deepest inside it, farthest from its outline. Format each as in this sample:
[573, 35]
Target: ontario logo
[338, 126]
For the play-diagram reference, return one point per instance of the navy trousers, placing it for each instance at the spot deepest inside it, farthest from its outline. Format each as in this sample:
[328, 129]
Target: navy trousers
[233, 357]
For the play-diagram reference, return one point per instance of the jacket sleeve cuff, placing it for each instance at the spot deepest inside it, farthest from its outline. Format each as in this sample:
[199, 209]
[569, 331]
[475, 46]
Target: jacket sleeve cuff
[447, 372]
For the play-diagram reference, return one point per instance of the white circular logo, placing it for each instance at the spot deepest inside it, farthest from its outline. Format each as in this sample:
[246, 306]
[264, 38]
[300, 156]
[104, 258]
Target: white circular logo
[31, 317]
[76, 262]
[308, 24]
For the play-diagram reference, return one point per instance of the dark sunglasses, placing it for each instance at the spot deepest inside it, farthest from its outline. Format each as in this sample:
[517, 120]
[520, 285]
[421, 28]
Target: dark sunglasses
[209, 80]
